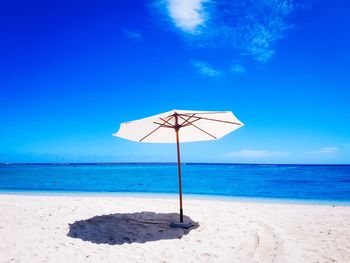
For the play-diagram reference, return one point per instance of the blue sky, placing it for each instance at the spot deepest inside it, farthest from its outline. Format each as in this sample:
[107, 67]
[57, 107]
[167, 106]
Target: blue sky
[70, 73]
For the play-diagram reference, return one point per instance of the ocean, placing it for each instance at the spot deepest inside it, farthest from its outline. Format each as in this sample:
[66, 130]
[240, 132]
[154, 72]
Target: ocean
[284, 182]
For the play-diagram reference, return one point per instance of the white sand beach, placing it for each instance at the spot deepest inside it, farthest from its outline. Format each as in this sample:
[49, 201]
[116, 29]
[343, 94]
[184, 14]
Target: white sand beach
[135, 229]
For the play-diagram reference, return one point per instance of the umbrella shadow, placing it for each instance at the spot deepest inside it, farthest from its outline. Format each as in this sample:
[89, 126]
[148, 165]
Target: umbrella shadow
[121, 228]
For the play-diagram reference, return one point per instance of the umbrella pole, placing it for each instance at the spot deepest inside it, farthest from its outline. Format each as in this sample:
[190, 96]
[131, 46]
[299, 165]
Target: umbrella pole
[179, 173]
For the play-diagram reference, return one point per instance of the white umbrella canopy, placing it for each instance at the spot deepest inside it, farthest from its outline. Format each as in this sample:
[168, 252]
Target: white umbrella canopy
[193, 126]
[178, 126]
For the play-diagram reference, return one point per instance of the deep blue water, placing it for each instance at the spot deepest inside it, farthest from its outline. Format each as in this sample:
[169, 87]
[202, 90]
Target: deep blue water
[311, 182]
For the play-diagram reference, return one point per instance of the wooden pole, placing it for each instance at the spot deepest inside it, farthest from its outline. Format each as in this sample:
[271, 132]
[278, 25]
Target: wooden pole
[179, 166]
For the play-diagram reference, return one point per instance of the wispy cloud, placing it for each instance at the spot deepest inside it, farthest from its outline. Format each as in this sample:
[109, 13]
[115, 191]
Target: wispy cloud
[326, 150]
[246, 153]
[132, 34]
[237, 68]
[250, 28]
[206, 69]
[187, 15]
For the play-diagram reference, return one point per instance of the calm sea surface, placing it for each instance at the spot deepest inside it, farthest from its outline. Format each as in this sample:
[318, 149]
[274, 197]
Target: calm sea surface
[303, 182]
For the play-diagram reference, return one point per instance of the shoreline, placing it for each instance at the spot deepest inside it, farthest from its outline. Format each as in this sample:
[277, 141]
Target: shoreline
[243, 199]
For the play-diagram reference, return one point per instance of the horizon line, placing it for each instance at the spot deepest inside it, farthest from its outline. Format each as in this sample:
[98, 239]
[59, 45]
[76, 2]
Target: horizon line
[165, 163]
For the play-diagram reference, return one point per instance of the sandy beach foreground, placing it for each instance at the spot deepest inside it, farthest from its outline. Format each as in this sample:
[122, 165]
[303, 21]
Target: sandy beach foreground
[135, 229]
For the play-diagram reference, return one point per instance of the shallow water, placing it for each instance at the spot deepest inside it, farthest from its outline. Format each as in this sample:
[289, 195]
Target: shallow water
[302, 182]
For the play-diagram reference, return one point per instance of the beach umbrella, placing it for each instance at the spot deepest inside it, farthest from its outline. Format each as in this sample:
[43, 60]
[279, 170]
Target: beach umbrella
[179, 126]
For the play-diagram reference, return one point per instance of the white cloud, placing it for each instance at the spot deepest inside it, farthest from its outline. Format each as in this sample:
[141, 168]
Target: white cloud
[188, 15]
[245, 153]
[246, 28]
[206, 69]
[327, 150]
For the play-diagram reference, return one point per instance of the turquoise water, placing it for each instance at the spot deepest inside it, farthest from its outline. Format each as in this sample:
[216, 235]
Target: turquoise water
[301, 182]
